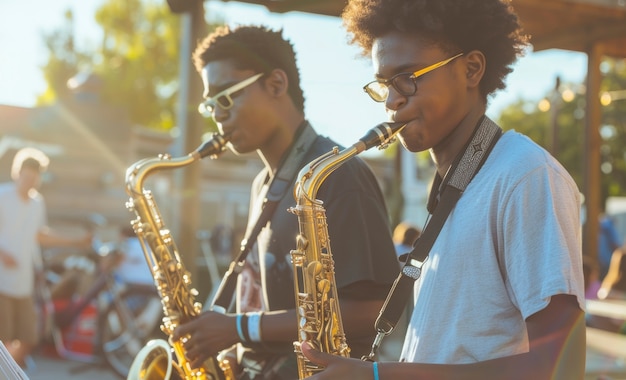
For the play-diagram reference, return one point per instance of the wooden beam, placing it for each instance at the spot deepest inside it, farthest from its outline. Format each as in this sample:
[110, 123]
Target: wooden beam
[562, 24]
[578, 38]
[322, 7]
[615, 47]
[565, 8]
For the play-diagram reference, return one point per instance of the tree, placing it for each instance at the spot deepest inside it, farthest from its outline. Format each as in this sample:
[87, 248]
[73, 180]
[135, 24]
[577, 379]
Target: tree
[137, 60]
[526, 118]
[613, 131]
[64, 62]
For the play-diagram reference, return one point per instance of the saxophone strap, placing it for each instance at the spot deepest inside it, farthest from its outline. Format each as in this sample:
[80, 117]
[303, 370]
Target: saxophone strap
[443, 197]
[275, 190]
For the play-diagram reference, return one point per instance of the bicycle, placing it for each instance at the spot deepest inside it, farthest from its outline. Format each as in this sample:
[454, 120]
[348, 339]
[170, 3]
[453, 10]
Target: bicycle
[116, 319]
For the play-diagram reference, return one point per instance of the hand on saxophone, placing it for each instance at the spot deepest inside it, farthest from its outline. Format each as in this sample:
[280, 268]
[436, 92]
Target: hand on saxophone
[335, 366]
[206, 335]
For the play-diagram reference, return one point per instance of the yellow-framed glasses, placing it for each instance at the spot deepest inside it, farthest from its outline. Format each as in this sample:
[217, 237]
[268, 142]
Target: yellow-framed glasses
[404, 83]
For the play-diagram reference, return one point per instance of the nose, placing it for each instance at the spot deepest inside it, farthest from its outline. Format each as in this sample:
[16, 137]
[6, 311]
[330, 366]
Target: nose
[394, 100]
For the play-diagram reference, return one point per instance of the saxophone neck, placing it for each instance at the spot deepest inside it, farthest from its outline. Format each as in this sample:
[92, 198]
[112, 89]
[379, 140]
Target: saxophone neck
[136, 173]
[315, 173]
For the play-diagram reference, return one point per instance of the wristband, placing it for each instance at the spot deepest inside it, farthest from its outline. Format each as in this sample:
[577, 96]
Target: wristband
[244, 327]
[254, 326]
[239, 329]
[375, 369]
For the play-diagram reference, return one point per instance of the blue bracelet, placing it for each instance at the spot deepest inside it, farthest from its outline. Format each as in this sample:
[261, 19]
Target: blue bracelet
[239, 329]
[375, 369]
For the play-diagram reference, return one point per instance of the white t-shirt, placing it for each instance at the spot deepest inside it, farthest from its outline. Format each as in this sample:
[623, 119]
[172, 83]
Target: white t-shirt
[512, 241]
[134, 267]
[20, 222]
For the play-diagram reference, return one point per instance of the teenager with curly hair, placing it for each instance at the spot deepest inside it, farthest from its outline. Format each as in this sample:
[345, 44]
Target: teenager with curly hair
[501, 294]
[252, 90]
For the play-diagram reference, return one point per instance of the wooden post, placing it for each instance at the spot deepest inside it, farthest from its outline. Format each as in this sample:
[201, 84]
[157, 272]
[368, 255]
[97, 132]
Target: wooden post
[592, 152]
[190, 124]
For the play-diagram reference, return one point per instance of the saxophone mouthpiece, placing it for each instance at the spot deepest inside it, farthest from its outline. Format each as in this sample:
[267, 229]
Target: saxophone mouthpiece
[382, 135]
[213, 147]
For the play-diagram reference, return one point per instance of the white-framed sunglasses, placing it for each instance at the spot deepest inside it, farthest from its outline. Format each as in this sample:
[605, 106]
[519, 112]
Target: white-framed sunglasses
[224, 99]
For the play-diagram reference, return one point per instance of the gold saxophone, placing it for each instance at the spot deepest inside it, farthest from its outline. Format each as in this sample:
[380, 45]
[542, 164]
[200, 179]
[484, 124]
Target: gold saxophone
[317, 303]
[172, 280]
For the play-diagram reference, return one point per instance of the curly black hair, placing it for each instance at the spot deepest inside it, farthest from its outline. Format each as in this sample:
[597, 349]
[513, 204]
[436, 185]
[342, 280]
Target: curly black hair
[489, 26]
[255, 48]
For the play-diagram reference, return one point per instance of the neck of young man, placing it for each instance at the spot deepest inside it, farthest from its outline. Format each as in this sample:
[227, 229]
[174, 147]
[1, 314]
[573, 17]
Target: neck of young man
[272, 154]
[445, 153]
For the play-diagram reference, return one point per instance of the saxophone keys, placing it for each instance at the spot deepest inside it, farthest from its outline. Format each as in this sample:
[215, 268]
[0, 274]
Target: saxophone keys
[323, 286]
[302, 242]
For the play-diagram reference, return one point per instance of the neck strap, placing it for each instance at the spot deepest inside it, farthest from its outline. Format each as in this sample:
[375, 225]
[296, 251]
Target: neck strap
[276, 189]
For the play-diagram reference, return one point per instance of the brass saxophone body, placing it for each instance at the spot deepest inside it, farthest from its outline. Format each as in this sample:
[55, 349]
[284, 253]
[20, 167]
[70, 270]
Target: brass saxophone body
[317, 303]
[172, 280]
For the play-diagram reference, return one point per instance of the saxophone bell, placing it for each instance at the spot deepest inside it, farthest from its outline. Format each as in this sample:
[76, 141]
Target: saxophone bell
[154, 361]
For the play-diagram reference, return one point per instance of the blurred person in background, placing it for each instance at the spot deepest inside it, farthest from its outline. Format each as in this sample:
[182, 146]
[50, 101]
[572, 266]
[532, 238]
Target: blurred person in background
[404, 236]
[608, 241]
[23, 229]
[613, 285]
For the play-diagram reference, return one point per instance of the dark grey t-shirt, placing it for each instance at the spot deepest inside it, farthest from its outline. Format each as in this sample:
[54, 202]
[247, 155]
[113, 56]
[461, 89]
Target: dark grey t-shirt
[360, 238]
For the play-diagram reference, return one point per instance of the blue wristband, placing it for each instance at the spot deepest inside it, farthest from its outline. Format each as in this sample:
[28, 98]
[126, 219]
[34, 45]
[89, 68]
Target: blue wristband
[239, 328]
[375, 369]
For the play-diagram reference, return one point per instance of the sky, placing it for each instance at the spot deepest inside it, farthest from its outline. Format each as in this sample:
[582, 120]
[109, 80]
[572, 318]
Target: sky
[332, 71]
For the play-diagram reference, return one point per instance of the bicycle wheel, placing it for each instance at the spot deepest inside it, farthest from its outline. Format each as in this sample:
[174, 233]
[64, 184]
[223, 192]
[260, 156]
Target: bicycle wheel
[127, 324]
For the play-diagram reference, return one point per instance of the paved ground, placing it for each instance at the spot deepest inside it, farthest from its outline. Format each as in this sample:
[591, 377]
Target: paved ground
[50, 368]
[600, 366]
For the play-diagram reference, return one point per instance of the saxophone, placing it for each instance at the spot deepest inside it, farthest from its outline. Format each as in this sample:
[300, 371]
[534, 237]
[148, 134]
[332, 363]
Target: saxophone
[317, 303]
[154, 361]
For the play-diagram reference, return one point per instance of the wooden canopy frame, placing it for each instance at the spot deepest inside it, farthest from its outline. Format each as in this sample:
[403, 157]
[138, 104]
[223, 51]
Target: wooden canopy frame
[562, 24]
[594, 27]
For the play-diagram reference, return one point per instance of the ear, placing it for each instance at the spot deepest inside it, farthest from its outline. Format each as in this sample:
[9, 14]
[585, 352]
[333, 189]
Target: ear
[277, 82]
[475, 67]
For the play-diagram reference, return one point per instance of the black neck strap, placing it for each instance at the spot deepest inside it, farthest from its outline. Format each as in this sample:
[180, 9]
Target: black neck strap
[444, 195]
[278, 186]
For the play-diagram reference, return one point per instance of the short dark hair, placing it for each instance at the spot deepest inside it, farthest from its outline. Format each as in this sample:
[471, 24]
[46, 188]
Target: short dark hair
[32, 163]
[29, 158]
[252, 47]
[489, 26]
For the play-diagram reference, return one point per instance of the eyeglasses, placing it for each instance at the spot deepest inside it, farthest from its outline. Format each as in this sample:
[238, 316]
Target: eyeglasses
[404, 83]
[224, 99]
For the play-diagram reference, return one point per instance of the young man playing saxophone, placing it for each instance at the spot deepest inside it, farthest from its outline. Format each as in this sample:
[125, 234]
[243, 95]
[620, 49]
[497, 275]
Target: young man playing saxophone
[253, 92]
[501, 293]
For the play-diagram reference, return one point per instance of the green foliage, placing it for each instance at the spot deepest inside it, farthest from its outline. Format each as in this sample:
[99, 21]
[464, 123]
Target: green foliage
[137, 60]
[613, 131]
[568, 119]
[63, 64]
